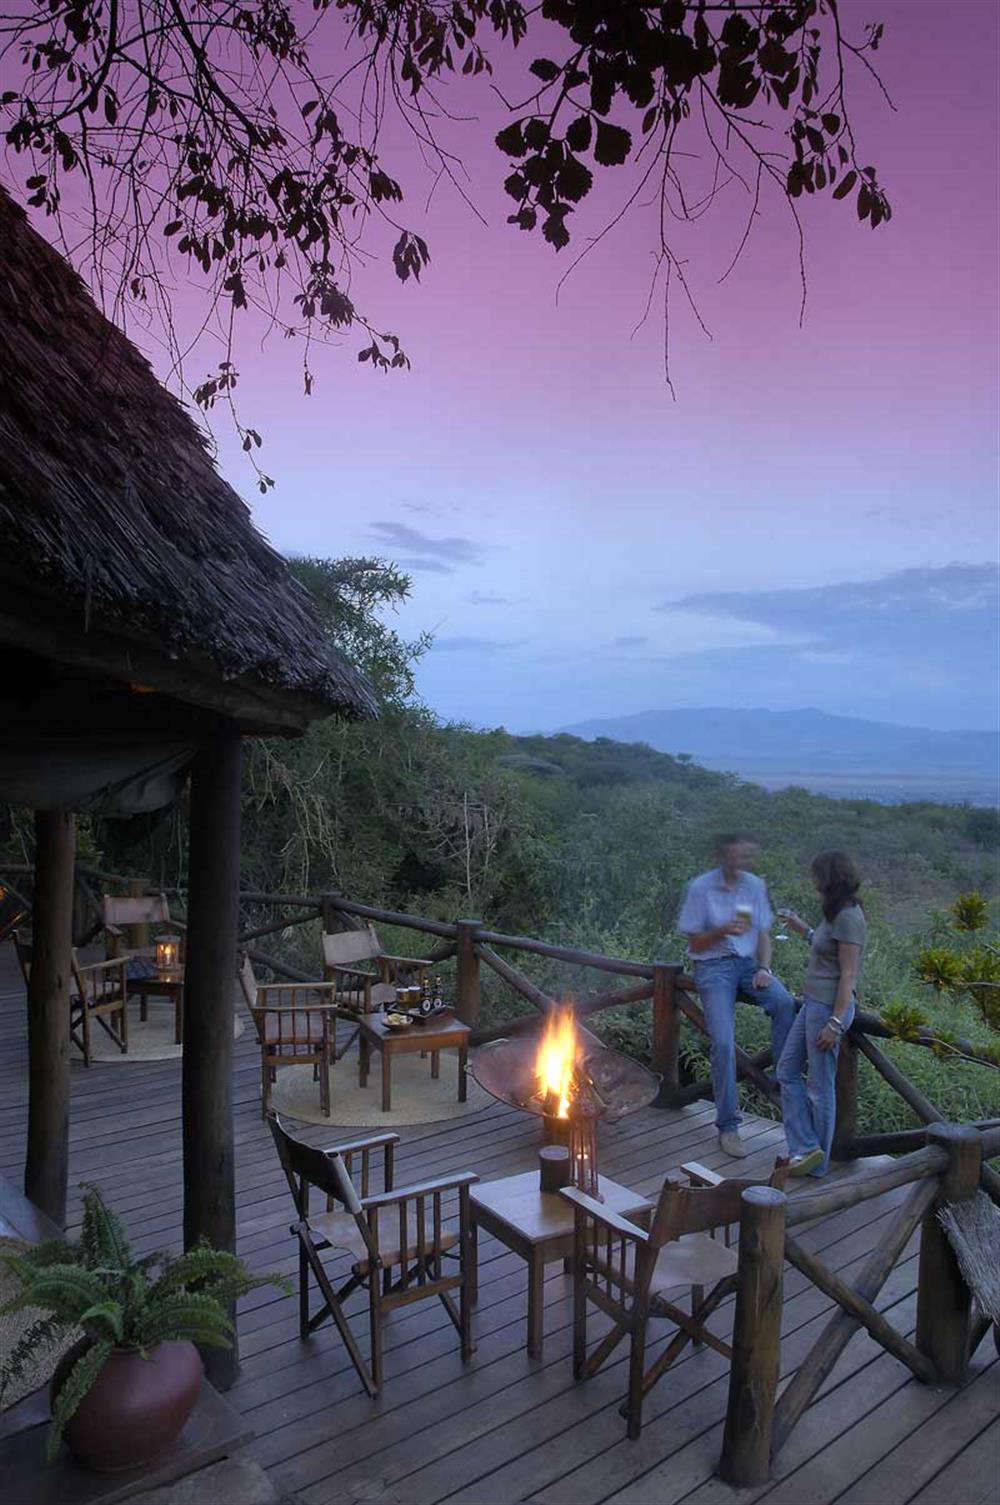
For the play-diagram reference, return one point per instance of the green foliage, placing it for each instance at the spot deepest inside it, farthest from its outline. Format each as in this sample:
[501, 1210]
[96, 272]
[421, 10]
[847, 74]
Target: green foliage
[940, 969]
[970, 912]
[97, 1287]
[905, 1020]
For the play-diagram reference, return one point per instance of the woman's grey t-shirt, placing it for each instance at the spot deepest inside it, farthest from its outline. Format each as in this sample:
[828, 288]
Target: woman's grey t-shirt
[823, 972]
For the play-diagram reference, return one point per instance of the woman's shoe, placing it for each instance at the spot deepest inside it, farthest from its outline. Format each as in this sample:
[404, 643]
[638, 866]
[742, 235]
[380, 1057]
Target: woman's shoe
[801, 1165]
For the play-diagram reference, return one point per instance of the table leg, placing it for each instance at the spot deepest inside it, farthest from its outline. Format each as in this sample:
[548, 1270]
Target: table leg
[435, 1065]
[386, 1080]
[463, 1081]
[364, 1056]
[536, 1303]
[143, 1007]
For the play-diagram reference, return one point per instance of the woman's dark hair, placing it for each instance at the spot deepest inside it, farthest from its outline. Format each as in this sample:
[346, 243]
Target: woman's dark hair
[837, 880]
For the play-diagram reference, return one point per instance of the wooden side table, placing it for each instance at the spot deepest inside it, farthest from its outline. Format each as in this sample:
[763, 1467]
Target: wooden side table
[162, 985]
[538, 1226]
[446, 1033]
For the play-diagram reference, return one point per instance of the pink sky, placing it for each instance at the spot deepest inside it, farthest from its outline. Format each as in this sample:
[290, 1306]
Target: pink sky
[542, 439]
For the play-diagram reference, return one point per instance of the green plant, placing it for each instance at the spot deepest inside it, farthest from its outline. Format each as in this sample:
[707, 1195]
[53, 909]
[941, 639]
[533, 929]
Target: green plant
[982, 982]
[904, 1020]
[96, 1285]
[969, 912]
[940, 969]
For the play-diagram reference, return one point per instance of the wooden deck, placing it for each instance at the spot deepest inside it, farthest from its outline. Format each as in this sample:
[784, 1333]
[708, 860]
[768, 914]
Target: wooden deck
[506, 1429]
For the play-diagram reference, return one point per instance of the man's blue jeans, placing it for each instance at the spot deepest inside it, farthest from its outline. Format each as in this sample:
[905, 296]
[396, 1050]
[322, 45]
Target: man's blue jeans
[719, 980]
[808, 1078]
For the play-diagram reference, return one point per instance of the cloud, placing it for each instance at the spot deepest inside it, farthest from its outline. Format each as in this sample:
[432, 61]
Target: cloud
[475, 645]
[428, 509]
[483, 598]
[456, 550]
[631, 640]
[429, 566]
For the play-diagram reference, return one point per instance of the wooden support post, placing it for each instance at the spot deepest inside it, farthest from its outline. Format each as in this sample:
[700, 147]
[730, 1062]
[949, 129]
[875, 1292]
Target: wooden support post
[209, 984]
[46, 1167]
[666, 1034]
[467, 987]
[944, 1301]
[846, 1089]
[753, 1375]
[137, 936]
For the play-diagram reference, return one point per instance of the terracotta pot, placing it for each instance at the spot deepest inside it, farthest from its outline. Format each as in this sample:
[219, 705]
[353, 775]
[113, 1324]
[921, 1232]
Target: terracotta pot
[136, 1406]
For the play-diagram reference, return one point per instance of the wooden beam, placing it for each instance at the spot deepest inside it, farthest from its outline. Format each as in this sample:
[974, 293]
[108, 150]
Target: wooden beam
[47, 1162]
[753, 1374]
[921, 1105]
[666, 1033]
[467, 986]
[944, 1301]
[209, 989]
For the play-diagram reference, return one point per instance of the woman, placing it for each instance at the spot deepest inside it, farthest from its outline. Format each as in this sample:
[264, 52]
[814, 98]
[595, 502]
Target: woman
[808, 1067]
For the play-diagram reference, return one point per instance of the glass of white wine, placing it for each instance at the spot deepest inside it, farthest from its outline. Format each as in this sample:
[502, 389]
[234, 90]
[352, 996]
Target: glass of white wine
[782, 933]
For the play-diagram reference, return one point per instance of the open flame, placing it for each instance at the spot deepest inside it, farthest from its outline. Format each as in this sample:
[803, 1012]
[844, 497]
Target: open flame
[555, 1064]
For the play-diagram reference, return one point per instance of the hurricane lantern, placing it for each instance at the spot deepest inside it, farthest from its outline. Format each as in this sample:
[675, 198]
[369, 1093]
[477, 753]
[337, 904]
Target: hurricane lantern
[168, 953]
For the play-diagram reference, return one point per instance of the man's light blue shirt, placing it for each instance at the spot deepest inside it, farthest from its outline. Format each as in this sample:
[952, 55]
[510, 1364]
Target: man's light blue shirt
[710, 902]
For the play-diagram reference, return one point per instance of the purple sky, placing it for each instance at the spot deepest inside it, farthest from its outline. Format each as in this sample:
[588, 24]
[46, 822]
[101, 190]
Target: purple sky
[553, 502]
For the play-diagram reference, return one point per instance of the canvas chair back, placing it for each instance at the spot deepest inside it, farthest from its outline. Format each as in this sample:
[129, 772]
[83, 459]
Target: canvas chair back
[138, 909]
[698, 1209]
[248, 985]
[23, 949]
[342, 948]
[306, 1167]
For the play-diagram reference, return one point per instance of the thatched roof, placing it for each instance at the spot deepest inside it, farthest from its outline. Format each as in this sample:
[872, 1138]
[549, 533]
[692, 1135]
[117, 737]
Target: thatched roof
[116, 528]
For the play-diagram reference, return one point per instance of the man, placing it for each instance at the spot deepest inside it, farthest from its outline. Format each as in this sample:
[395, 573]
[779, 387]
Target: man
[727, 919]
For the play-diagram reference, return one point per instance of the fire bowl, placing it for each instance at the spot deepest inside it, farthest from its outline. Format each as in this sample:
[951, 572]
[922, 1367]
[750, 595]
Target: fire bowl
[617, 1084]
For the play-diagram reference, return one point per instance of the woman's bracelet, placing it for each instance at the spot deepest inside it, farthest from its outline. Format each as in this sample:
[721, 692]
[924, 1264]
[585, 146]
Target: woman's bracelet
[810, 932]
[835, 1024]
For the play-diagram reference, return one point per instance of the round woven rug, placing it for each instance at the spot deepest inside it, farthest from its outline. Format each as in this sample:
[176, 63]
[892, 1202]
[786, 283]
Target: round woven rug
[416, 1097]
[152, 1041]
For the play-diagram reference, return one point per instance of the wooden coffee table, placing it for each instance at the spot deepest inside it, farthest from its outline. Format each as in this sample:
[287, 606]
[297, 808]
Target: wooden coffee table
[538, 1226]
[446, 1033]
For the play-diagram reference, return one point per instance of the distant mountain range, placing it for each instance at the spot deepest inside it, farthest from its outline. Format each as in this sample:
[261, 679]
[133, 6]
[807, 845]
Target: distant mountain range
[836, 755]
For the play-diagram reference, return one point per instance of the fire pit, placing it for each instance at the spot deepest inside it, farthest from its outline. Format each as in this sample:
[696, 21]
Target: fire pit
[570, 1081]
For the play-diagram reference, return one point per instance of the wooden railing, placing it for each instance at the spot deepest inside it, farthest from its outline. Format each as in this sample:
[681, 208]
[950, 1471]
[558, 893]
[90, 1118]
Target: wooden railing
[948, 1169]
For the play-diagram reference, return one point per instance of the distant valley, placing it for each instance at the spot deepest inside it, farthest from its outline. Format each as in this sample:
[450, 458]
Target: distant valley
[841, 756]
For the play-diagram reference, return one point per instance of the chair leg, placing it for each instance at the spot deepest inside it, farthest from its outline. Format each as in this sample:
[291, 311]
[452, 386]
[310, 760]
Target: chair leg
[86, 1035]
[336, 1311]
[636, 1360]
[265, 1087]
[697, 1297]
[465, 1300]
[579, 1321]
[375, 1328]
[324, 1086]
[303, 1292]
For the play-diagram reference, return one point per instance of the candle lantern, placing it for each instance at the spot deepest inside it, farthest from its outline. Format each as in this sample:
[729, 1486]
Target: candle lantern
[168, 953]
[583, 1151]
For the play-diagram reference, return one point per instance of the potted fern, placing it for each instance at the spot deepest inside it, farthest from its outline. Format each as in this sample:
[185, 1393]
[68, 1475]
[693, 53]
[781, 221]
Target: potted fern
[126, 1388]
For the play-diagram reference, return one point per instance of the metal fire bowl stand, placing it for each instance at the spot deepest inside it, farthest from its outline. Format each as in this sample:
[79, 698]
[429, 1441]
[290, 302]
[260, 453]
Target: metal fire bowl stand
[506, 1069]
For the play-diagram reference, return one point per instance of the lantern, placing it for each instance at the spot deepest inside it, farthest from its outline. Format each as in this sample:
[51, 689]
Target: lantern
[583, 1151]
[168, 953]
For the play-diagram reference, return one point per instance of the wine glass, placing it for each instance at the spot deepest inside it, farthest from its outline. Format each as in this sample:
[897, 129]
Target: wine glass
[782, 934]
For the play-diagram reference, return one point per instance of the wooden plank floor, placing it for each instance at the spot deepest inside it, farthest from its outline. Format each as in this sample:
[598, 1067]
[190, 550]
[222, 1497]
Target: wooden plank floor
[505, 1428]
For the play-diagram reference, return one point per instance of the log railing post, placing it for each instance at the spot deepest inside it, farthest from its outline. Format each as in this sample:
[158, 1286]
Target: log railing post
[944, 1301]
[137, 935]
[753, 1374]
[666, 1033]
[846, 1124]
[209, 988]
[46, 1168]
[467, 983]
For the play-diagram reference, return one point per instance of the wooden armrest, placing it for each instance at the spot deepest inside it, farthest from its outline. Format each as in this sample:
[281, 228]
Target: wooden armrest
[700, 1175]
[112, 961]
[341, 971]
[405, 961]
[373, 1142]
[289, 987]
[113, 929]
[602, 1214]
[420, 1189]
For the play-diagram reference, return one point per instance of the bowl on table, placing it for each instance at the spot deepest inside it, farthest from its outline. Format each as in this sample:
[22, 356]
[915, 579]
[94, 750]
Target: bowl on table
[397, 1021]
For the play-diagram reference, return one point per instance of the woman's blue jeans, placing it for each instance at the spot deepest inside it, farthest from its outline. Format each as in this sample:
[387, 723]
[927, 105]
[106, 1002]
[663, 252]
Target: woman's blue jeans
[808, 1078]
[719, 980]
